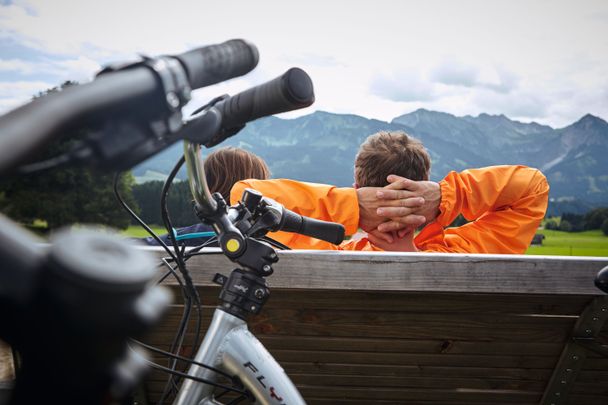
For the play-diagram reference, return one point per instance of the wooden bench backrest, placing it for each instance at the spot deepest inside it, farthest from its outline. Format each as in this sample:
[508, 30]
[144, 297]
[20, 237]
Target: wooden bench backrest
[355, 328]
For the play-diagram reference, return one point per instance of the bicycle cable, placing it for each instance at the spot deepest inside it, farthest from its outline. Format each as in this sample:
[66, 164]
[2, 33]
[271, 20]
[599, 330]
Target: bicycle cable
[178, 338]
[193, 293]
[172, 271]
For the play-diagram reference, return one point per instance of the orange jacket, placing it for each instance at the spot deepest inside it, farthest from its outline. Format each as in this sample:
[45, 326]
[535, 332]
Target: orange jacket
[505, 204]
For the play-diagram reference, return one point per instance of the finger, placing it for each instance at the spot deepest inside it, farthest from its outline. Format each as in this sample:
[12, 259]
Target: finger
[400, 208]
[392, 226]
[393, 178]
[400, 183]
[385, 236]
[388, 194]
[401, 223]
[402, 233]
[375, 241]
[403, 183]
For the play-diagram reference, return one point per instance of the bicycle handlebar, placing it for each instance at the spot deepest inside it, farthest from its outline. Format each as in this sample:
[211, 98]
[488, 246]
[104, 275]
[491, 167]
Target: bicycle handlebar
[328, 231]
[216, 63]
[290, 91]
[135, 90]
[601, 280]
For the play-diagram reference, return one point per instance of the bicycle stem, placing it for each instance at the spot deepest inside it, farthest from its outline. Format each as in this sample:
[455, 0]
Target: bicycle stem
[196, 177]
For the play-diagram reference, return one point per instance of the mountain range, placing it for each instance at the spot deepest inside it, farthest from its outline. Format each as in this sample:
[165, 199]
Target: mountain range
[320, 147]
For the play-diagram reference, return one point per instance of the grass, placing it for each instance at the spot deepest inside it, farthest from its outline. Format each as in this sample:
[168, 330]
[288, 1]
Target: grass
[136, 231]
[558, 243]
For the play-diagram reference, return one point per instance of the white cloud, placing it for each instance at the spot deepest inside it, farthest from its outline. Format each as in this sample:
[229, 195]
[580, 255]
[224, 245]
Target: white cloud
[17, 65]
[369, 58]
[455, 73]
[522, 105]
[78, 69]
[17, 93]
[405, 85]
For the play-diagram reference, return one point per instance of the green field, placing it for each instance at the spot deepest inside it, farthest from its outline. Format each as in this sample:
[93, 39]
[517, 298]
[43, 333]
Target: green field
[136, 231]
[557, 243]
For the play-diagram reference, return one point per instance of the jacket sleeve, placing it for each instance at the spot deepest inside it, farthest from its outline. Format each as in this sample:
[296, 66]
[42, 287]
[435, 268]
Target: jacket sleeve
[505, 204]
[318, 201]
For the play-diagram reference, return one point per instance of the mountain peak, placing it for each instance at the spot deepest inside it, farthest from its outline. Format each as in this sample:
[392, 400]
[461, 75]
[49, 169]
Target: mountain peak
[589, 121]
[590, 118]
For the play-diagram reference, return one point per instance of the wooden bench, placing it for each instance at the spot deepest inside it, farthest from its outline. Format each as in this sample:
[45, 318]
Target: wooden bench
[361, 328]
[7, 371]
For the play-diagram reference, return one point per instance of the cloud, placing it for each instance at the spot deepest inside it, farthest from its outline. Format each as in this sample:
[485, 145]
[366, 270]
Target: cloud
[404, 86]
[524, 105]
[504, 81]
[523, 60]
[78, 69]
[313, 59]
[17, 93]
[457, 74]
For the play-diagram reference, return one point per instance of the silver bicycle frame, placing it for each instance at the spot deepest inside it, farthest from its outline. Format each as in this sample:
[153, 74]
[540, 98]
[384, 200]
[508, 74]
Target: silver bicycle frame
[228, 344]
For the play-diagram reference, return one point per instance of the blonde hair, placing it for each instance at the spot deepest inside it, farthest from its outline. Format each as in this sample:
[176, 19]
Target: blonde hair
[385, 153]
[228, 165]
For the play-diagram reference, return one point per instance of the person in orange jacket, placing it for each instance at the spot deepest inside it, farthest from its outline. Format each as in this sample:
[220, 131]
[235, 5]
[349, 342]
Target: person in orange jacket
[393, 196]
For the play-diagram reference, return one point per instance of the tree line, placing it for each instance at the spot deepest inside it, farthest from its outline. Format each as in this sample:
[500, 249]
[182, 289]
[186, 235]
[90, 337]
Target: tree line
[179, 203]
[68, 195]
[62, 196]
[594, 219]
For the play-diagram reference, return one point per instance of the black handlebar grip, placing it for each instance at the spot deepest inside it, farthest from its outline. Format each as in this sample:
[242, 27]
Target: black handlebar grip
[327, 231]
[290, 91]
[601, 280]
[216, 63]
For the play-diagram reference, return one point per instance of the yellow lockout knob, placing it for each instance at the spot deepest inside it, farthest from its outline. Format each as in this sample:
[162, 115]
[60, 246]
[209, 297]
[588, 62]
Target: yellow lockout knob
[233, 245]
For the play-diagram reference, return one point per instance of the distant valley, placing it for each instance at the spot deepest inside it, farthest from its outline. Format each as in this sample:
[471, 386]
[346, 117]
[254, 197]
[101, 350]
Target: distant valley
[320, 147]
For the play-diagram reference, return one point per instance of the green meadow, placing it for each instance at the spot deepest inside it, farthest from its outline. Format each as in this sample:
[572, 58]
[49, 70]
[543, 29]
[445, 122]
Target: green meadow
[558, 243]
[136, 231]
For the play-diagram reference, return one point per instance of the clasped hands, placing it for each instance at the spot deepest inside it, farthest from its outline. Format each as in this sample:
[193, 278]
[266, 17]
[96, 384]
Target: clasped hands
[394, 211]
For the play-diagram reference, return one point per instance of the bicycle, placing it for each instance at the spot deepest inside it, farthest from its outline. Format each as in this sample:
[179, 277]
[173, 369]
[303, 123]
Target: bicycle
[229, 349]
[135, 110]
[38, 285]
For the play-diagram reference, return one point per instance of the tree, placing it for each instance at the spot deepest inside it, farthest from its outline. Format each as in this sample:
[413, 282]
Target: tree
[551, 223]
[565, 225]
[66, 195]
[576, 223]
[605, 227]
[595, 218]
[179, 203]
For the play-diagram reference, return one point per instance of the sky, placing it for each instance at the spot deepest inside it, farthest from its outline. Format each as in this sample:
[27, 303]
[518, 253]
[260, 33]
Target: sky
[543, 61]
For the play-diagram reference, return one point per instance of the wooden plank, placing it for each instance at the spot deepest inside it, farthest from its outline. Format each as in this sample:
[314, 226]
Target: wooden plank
[438, 272]
[587, 399]
[430, 329]
[407, 394]
[422, 360]
[595, 388]
[394, 301]
[404, 394]
[412, 382]
[7, 367]
[389, 345]
[325, 370]
[482, 327]
[334, 401]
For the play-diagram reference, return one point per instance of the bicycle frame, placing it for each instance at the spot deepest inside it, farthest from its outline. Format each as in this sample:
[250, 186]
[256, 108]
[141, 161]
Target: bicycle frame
[228, 343]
